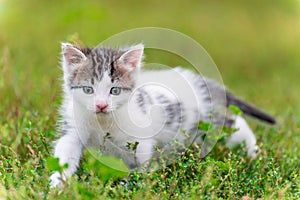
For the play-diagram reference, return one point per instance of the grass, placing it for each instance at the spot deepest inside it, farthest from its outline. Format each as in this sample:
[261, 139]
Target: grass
[254, 44]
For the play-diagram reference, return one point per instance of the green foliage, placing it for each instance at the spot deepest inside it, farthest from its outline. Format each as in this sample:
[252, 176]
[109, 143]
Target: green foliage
[204, 126]
[104, 167]
[254, 43]
[132, 146]
[235, 110]
[216, 134]
[52, 165]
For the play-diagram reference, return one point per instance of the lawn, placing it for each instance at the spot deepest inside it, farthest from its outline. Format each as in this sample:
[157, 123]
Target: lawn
[255, 45]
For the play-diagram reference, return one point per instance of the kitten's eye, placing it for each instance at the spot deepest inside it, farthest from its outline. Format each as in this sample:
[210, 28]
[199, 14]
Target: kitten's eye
[115, 90]
[88, 90]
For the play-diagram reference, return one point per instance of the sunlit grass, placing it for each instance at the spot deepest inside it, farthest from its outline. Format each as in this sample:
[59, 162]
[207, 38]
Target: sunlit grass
[255, 45]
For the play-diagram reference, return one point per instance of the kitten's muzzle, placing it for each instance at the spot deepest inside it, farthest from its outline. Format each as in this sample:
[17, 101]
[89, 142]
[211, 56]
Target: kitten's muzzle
[101, 107]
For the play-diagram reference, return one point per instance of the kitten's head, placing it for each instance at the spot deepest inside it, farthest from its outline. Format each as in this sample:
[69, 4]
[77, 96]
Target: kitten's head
[101, 79]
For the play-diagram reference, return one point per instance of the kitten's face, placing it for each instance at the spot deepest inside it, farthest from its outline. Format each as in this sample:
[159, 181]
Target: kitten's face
[101, 80]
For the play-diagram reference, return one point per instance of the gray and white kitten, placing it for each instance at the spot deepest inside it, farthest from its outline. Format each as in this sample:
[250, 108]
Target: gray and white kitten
[105, 92]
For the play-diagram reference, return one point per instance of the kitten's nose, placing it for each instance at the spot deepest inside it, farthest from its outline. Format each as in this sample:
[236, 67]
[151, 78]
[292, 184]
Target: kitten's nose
[101, 104]
[101, 107]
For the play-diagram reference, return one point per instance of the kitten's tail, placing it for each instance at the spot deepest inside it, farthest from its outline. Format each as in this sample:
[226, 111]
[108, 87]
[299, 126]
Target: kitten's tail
[248, 109]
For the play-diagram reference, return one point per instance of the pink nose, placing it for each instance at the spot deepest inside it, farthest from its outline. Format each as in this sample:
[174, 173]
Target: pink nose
[101, 107]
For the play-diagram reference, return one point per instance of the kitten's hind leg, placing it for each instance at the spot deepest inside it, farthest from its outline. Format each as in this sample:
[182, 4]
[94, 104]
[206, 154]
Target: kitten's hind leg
[244, 133]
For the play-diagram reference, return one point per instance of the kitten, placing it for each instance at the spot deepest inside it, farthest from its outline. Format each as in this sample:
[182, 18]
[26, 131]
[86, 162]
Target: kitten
[108, 102]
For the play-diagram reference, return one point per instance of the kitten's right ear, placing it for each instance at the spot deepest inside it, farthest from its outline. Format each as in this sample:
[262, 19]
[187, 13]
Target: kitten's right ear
[71, 55]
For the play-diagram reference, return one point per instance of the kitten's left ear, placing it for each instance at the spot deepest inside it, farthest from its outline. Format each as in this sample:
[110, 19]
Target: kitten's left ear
[132, 58]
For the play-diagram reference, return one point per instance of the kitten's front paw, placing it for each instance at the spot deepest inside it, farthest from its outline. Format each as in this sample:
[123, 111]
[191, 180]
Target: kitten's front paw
[56, 180]
[253, 151]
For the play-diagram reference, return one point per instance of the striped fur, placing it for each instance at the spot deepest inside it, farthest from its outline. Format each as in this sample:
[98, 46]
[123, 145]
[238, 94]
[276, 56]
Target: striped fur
[151, 109]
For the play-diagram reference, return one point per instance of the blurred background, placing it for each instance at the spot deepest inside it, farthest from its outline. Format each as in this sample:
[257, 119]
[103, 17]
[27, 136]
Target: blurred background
[255, 44]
